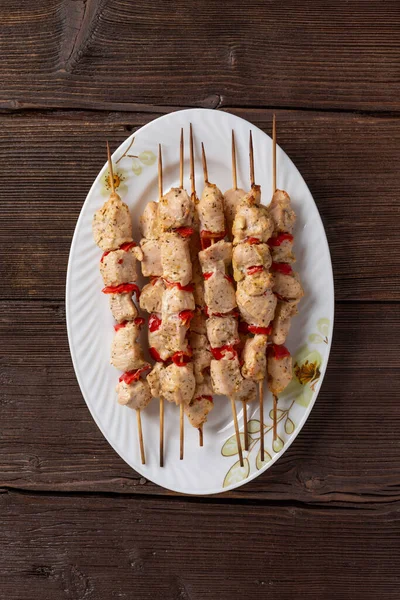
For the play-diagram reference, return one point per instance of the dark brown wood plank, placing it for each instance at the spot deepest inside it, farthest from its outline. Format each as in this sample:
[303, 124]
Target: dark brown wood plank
[350, 163]
[102, 547]
[348, 453]
[117, 55]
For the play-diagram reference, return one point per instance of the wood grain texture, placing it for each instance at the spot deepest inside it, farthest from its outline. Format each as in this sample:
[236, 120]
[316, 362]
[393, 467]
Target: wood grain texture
[118, 55]
[350, 163]
[100, 547]
[347, 454]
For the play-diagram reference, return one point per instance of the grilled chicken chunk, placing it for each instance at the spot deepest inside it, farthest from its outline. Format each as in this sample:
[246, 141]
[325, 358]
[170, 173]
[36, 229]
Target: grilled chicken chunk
[175, 300]
[198, 284]
[175, 210]
[175, 259]
[149, 225]
[283, 253]
[256, 310]
[254, 357]
[225, 375]
[112, 225]
[245, 256]
[123, 307]
[201, 404]
[279, 373]
[219, 254]
[219, 293]
[282, 214]
[247, 391]
[201, 355]
[222, 331]
[232, 199]
[151, 296]
[134, 395]
[282, 320]
[151, 258]
[120, 266]
[126, 353]
[210, 209]
[288, 286]
[257, 284]
[178, 383]
[154, 379]
[251, 221]
[169, 338]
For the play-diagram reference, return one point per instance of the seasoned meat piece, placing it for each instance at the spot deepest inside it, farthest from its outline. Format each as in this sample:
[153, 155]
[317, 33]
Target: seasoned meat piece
[210, 209]
[175, 300]
[257, 284]
[283, 253]
[149, 225]
[282, 214]
[122, 307]
[247, 391]
[175, 210]
[154, 379]
[281, 324]
[279, 373]
[245, 256]
[119, 266]
[175, 259]
[225, 376]
[251, 221]
[126, 353]
[134, 395]
[151, 296]
[151, 258]
[232, 199]
[112, 225]
[198, 323]
[219, 254]
[288, 286]
[222, 331]
[178, 383]
[201, 354]
[219, 293]
[169, 338]
[254, 357]
[198, 284]
[201, 404]
[256, 310]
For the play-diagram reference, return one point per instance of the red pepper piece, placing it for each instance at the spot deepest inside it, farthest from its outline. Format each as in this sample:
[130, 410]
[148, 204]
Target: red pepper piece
[123, 288]
[186, 316]
[153, 280]
[253, 270]
[120, 325]
[154, 323]
[282, 268]
[279, 239]
[208, 275]
[104, 255]
[260, 330]
[185, 232]
[279, 352]
[180, 359]
[209, 398]
[155, 355]
[139, 321]
[220, 352]
[207, 236]
[127, 246]
[183, 288]
[131, 376]
[252, 240]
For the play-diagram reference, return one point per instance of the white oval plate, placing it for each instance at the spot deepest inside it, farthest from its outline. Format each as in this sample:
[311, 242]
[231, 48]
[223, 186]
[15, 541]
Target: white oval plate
[213, 468]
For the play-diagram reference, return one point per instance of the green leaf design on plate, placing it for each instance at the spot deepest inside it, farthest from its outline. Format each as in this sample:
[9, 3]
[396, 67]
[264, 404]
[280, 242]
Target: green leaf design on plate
[289, 426]
[259, 462]
[323, 326]
[147, 157]
[278, 444]
[315, 338]
[230, 447]
[304, 396]
[136, 167]
[279, 413]
[237, 473]
[253, 426]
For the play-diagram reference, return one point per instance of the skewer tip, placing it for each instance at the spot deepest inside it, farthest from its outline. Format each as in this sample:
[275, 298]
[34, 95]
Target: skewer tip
[110, 168]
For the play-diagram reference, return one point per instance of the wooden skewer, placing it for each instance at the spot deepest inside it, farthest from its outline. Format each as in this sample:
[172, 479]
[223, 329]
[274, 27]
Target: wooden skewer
[204, 161]
[181, 159]
[192, 176]
[160, 173]
[238, 442]
[181, 430]
[273, 154]
[160, 194]
[201, 441]
[251, 154]
[234, 172]
[261, 399]
[110, 168]
[275, 420]
[245, 429]
[141, 444]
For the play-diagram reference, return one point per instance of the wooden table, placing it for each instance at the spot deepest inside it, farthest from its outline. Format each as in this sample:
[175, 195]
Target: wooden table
[76, 522]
